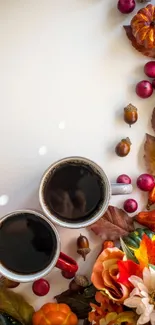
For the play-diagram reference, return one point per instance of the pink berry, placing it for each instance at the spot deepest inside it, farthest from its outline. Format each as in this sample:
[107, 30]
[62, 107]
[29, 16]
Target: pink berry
[145, 182]
[123, 179]
[144, 89]
[41, 287]
[130, 205]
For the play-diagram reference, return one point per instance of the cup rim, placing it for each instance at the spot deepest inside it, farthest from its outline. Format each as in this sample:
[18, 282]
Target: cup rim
[35, 276]
[97, 215]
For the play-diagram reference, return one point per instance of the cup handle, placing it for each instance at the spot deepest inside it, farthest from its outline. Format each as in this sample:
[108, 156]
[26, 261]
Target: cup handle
[68, 266]
[121, 188]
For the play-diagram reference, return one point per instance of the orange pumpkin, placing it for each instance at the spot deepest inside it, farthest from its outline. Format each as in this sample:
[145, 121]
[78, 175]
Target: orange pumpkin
[54, 314]
[143, 26]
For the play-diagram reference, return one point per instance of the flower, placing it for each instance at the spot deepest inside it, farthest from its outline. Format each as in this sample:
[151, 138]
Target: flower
[142, 296]
[105, 274]
[145, 254]
[109, 313]
[127, 317]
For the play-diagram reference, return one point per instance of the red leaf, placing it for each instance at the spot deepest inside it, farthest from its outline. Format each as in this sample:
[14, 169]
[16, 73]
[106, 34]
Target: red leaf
[115, 223]
[149, 156]
[140, 48]
[126, 269]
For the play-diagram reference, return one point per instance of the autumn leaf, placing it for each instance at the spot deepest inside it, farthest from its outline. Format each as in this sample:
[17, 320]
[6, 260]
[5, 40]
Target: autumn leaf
[126, 269]
[153, 119]
[145, 254]
[78, 302]
[149, 156]
[14, 304]
[147, 52]
[114, 224]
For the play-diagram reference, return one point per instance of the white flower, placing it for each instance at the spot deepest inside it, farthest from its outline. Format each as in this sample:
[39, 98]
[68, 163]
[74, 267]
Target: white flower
[142, 296]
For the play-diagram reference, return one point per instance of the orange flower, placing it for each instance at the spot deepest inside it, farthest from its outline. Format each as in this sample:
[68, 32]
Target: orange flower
[105, 274]
[106, 306]
[145, 254]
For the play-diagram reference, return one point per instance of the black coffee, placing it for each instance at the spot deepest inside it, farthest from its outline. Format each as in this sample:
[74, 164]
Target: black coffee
[73, 191]
[27, 243]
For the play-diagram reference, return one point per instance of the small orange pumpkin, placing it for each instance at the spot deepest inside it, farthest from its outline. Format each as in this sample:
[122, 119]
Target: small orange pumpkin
[143, 26]
[54, 314]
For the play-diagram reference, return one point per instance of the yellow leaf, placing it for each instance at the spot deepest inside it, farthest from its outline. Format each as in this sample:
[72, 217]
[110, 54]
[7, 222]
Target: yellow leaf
[128, 317]
[141, 254]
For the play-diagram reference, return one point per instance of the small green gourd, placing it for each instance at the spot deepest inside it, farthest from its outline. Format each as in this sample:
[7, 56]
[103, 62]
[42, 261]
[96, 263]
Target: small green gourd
[134, 238]
[6, 319]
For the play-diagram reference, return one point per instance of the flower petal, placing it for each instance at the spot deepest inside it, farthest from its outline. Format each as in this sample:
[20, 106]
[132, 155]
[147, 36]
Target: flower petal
[102, 321]
[144, 294]
[135, 280]
[152, 282]
[152, 318]
[141, 308]
[132, 302]
[143, 319]
[110, 317]
[147, 277]
[142, 287]
[135, 292]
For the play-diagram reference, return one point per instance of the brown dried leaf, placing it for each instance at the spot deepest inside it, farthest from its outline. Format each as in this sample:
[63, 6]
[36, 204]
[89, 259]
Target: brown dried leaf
[149, 156]
[114, 224]
[140, 48]
[153, 119]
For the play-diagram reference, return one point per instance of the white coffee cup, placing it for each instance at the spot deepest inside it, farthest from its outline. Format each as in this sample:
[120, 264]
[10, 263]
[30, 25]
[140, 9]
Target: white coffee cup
[108, 190]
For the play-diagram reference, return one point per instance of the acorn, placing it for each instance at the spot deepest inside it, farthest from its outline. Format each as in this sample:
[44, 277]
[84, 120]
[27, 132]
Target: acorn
[130, 114]
[123, 147]
[74, 287]
[81, 280]
[83, 246]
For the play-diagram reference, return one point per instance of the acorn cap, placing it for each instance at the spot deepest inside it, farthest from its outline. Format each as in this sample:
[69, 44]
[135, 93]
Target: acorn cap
[127, 140]
[130, 108]
[81, 280]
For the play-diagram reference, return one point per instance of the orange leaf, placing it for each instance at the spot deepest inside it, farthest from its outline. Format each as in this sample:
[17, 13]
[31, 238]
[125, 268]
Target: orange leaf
[147, 218]
[145, 254]
[147, 52]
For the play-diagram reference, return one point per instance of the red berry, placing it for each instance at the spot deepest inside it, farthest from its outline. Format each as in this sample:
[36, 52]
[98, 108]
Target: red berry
[145, 182]
[41, 287]
[130, 205]
[144, 89]
[123, 179]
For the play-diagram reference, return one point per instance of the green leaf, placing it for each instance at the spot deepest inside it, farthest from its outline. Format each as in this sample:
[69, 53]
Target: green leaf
[79, 303]
[14, 305]
[127, 251]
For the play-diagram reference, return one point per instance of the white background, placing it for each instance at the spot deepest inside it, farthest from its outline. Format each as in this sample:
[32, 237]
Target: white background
[67, 70]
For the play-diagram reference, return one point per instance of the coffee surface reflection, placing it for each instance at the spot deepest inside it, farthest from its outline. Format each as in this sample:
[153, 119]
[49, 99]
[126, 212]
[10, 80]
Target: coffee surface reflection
[73, 191]
[27, 243]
